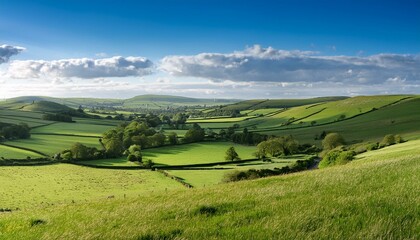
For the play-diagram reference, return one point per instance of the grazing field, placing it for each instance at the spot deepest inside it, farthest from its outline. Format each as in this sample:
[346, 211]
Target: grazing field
[26, 187]
[196, 153]
[52, 144]
[16, 153]
[373, 197]
[402, 118]
[208, 176]
[82, 129]
[219, 120]
[114, 162]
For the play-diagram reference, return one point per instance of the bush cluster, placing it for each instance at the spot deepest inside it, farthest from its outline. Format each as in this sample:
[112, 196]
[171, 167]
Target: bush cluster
[336, 157]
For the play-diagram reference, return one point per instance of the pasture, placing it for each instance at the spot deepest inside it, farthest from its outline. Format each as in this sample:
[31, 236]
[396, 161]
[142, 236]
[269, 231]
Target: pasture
[65, 183]
[16, 153]
[375, 194]
[196, 153]
[52, 144]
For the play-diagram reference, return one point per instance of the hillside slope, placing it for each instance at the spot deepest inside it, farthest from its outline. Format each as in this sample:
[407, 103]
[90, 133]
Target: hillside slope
[373, 197]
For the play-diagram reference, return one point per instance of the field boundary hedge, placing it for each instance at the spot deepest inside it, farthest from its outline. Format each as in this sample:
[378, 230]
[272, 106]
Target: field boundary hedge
[178, 179]
[107, 167]
[26, 149]
[180, 167]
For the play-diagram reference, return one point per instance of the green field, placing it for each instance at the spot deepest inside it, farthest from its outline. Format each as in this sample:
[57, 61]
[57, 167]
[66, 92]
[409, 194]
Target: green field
[208, 176]
[373, 197]
[64, 183]
[16, 153]
[82, 129]
[196, 153]
[52, 144]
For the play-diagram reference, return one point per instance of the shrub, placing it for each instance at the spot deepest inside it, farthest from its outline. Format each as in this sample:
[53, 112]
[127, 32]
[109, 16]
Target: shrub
[336, 157]
[131, 158]
[387, 140]
[231, 154]
[148, 163]
[332, 140]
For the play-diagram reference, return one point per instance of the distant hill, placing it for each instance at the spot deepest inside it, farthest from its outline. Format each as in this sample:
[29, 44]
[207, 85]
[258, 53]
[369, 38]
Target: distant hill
[278, 103]
[141, 101]
[47, 106]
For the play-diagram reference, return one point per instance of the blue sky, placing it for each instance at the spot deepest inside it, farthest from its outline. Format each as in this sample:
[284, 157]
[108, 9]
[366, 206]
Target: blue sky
[156, 30]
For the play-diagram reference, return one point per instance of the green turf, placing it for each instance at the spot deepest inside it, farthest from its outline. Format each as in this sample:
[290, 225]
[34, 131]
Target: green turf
[402, 118]
[73, 129]
[52, 144]
[16, 153]
[196, 153]
[208, 176]
[374, 197]
[24, 187]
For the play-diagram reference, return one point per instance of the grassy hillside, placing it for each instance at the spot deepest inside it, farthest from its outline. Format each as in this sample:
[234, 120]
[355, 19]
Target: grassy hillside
[152, 101]
[278, 103]
[26, 187]
[196, 153]
[46, 106]
[401, 118]
[373, 197]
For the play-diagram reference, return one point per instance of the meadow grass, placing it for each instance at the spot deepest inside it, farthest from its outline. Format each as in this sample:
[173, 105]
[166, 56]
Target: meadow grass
[207, 176]
[26, 187]
[52, 144]
[16, 153]
[195, 153]
[373, 197]
[82, 129]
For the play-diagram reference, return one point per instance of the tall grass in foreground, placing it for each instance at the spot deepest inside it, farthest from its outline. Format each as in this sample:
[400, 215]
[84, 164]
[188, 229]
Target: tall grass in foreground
[373, 197]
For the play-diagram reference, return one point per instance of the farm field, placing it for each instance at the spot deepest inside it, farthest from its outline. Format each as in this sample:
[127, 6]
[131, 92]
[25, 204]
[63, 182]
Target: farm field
[196, 153]
[114, 162]
[251, 208]
[16, 153]
[207, 176]
[63, 183]
[82, 129]
[52, 144]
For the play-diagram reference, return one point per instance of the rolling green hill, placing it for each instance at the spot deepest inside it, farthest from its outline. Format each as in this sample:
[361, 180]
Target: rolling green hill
[142, 101]
[278, 103]
[373, 197]
[47, 106]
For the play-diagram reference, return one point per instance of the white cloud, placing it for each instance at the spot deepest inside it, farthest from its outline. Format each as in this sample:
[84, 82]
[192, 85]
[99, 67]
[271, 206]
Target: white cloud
[7, 51]
[270, 65]
[81, 68]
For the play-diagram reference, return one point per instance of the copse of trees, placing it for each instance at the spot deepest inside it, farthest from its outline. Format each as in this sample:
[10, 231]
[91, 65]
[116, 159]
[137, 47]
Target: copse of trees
[59, 117]
[195, 134]
[13, 131]
[248, 138]
[79, 151]
[277, 146]
[119, 139]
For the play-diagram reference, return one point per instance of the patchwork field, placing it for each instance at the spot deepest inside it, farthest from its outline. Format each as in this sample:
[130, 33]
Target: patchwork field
[375, 194]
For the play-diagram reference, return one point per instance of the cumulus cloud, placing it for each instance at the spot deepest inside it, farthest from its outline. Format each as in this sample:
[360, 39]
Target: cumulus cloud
[84, 68]
[7, 51]
[271, 65]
